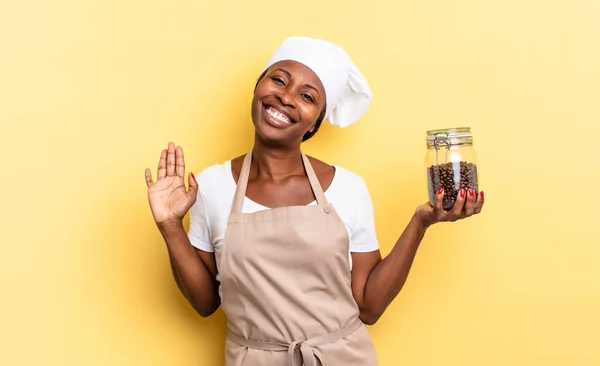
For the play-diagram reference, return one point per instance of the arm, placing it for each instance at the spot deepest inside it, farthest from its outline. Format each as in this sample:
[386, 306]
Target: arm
[194, 270]
[376, 282]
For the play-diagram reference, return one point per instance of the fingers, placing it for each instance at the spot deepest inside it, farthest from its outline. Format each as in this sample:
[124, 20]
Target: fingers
[171, 160]
[479, 204]
[471, 201]
[149, 181]
[162, 165]
[193, 188]
[179, 162]
[438, 202]
[456, 210]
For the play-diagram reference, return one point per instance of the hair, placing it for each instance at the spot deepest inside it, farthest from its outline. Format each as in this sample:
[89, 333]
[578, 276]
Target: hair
[320, 119]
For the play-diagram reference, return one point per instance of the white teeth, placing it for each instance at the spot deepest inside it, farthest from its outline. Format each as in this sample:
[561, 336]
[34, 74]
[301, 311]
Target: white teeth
[279, 116]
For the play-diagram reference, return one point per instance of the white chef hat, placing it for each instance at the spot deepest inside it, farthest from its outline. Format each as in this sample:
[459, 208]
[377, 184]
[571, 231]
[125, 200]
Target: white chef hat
[347, 92]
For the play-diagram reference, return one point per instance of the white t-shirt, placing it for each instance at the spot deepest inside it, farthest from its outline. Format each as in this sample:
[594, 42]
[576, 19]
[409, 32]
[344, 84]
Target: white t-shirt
[348, 193]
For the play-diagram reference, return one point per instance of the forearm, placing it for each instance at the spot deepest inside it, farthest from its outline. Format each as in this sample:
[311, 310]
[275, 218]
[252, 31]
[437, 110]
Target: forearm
[176, 277]
[191, 275]
[388, 277]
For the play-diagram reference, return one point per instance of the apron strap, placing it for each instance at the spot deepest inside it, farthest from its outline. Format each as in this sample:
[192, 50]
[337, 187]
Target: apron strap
[242, 184]
[314, 182]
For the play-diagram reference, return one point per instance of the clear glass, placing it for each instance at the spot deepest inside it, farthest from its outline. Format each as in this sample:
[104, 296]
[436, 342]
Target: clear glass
[451, 163]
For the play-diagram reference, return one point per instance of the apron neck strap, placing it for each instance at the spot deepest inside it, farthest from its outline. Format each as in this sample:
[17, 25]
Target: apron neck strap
[242, 184]
[314, 182]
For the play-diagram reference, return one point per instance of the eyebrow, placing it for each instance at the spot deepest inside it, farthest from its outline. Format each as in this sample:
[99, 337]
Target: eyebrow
[289, 75]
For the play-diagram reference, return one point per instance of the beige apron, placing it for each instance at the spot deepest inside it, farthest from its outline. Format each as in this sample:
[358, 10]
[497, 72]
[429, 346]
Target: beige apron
[286, 286]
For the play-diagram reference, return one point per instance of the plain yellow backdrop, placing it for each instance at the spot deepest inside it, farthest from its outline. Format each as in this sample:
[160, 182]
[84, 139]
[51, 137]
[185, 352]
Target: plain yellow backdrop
[91, 91]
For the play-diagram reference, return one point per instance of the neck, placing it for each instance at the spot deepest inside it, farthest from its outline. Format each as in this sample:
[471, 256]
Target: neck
[276, 162]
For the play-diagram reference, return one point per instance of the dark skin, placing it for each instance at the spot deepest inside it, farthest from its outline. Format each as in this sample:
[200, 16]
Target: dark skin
[277, 178]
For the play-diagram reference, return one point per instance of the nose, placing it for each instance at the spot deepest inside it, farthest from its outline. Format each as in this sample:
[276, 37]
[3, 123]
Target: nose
[286, 97]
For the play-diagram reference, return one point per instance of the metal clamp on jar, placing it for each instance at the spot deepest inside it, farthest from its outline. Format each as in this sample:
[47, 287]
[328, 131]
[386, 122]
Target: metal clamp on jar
[451, 163]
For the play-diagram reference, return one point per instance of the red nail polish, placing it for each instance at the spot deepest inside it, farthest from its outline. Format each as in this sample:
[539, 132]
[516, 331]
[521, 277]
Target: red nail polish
[440, 190]
[462, 193]
[193, 177]
[471, 192]
[481, 194]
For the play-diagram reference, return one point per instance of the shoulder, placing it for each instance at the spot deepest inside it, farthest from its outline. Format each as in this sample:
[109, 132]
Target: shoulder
[235, 167]
[342, 179]
[349, 176]
[321, 168]
[215, 177]
[212, 171]
[349, 182]
[216, 189]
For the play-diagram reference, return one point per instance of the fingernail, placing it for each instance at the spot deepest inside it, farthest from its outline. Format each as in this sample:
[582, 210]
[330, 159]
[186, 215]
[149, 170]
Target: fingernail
[462, 193]
[481, 194]
[471, 192]
[440, 190]
[193, 177]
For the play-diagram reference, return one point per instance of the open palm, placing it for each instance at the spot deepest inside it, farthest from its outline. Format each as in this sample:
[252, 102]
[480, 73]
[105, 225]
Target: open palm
[168, 197]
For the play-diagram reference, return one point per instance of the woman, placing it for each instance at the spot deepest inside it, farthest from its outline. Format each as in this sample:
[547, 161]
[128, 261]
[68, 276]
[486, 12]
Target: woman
[285, 242]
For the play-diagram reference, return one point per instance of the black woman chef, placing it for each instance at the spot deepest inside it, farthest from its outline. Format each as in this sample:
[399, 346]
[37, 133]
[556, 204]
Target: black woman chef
[285, 242]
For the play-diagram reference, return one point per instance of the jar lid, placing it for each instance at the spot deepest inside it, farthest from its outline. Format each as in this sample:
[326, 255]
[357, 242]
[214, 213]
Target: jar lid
[454, 132]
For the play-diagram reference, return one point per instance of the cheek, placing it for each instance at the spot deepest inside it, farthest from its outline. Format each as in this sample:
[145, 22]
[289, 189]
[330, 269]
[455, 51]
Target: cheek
[255, 104]
[263, 88]
[312, 113]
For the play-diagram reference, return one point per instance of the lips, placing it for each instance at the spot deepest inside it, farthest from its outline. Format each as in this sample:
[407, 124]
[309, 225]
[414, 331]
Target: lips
[278, 116]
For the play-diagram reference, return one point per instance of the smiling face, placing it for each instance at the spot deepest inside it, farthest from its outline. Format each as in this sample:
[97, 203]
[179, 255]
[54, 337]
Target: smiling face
[287, 103]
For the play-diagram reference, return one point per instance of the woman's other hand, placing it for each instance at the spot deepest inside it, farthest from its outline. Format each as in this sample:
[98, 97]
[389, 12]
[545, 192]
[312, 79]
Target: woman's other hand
[169, 200]
[467, 204]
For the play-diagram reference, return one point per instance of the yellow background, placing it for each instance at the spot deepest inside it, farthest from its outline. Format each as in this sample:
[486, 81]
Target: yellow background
[91, 91]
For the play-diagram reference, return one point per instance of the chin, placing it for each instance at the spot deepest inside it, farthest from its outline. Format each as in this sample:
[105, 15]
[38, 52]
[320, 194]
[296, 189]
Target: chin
[271, 137]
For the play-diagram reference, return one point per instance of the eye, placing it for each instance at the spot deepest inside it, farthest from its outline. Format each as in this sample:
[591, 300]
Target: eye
[308, 97]
[278, 80]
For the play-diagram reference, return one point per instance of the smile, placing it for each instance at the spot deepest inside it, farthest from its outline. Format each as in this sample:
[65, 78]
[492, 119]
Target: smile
[278, 117]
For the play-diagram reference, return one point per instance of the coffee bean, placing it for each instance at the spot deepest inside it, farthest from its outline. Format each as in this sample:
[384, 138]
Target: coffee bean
[442, 175]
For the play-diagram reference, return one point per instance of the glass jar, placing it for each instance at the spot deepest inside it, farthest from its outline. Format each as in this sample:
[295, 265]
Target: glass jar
[451, 163]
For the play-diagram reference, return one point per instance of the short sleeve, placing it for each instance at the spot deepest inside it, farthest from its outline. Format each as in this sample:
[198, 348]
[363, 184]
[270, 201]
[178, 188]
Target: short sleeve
[364, 238]
[199, 232]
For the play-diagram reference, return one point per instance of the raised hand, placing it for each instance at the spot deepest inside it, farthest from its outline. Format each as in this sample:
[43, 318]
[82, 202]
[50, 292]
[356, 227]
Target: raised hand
[467, 203]
[169, 200]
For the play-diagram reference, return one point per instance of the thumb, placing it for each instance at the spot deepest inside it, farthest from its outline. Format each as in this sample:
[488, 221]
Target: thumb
[193, 187]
